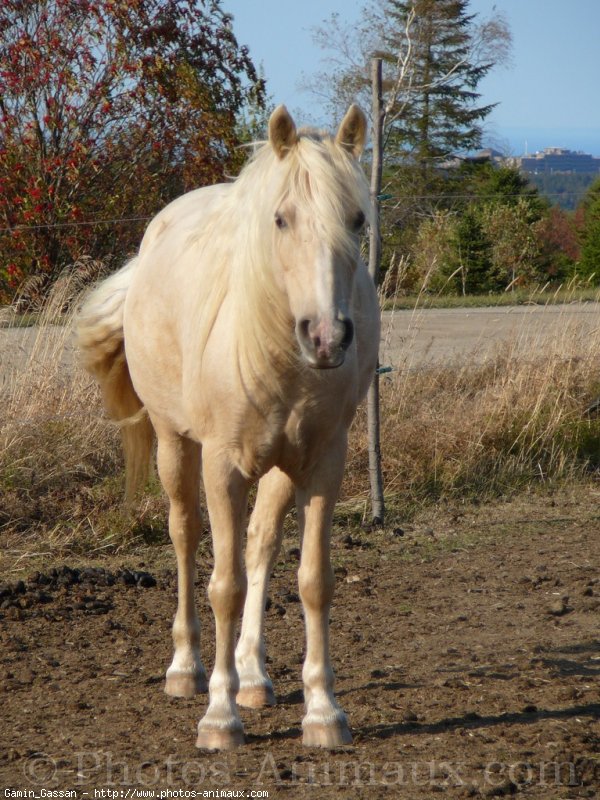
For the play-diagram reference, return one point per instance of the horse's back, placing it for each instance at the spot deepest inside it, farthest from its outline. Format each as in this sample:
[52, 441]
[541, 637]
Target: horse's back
[183, 216]
[173, 266]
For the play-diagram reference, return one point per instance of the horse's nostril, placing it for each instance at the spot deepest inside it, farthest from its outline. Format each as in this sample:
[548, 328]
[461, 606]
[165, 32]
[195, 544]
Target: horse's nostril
[303, 327]
[309, 333]
[348, 334]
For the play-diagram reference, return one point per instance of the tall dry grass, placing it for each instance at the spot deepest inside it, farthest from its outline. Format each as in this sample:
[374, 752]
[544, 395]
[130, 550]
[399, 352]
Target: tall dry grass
[61, 469]
[484, 426]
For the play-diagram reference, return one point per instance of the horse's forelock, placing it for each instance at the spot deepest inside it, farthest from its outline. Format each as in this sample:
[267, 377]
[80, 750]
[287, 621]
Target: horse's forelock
[317, 175]
[315, 161]
[330, 184]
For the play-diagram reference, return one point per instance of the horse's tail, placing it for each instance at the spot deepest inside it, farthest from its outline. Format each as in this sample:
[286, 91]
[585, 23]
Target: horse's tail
[101, 343]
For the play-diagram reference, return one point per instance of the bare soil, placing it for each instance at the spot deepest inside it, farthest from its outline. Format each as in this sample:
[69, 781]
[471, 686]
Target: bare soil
[466, 649]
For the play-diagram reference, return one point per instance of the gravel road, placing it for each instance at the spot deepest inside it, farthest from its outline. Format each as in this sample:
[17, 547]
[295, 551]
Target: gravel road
[410, 339]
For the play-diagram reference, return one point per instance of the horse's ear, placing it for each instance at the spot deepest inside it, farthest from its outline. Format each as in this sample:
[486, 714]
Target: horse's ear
[282, 131]
[352, 134]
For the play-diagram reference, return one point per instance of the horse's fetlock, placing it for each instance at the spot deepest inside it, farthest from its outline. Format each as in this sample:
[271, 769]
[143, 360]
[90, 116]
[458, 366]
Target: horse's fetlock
[186, 632]
[318, 677]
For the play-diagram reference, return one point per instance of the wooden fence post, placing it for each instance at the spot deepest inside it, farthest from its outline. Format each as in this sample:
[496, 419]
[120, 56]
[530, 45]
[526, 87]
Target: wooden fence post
[373, 423]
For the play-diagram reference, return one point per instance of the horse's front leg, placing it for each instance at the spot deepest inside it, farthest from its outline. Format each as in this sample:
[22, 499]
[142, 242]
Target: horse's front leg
[324, 724]
[274, 498]
[227, 497]
[179, 470]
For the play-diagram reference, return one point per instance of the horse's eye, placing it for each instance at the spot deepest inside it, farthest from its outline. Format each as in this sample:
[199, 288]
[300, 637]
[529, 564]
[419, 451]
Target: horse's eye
[280, 222]
[359, 221]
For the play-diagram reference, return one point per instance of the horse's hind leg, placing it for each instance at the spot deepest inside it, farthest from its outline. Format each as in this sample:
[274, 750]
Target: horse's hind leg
[179, 470]
[274, 499]
[227, 497]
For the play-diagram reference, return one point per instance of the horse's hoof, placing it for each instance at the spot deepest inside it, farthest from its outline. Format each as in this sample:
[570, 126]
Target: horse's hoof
[219, 738]
[185, 684]
[334, 734]
[256, 696]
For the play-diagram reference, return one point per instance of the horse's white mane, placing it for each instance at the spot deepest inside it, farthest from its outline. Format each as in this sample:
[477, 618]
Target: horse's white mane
[316, 174]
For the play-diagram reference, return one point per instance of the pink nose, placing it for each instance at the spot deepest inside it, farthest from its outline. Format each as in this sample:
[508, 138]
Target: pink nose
[326, 340]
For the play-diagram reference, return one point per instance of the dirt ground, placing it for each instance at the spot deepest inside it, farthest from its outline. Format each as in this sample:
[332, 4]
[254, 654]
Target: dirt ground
[465, 645]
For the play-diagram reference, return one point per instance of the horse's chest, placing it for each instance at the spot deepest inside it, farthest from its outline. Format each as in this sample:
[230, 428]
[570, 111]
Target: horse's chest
[291, 439]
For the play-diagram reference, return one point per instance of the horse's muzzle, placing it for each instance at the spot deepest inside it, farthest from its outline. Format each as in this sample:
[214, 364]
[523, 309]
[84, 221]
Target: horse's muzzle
[324, 342]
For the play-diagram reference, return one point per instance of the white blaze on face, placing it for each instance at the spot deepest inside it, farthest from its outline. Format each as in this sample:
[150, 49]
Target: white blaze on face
[318, 282]
[331, 295]
[324, 292]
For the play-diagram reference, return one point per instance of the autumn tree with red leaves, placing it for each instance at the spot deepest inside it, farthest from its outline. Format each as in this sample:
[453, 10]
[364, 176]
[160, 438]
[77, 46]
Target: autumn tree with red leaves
[557, 234]
[109, 109]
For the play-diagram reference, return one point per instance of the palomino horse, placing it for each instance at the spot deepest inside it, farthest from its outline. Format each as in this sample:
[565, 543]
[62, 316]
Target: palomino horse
[244, 334]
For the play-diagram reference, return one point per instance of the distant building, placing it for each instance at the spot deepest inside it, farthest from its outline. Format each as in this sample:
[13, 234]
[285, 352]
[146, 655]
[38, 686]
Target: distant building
[551, 161]
[557, 159]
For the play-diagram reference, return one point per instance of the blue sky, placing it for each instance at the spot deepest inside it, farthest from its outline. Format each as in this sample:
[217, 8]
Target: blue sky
[548, 97]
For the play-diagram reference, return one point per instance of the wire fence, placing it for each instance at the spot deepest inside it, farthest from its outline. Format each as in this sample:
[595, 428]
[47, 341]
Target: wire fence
[482, 197]
[81, 224]
[383, 198]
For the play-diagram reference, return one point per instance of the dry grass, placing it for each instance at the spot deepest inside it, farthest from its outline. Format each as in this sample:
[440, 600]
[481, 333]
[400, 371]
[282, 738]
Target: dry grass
[459, 432]
[481, 428]
[61, 469]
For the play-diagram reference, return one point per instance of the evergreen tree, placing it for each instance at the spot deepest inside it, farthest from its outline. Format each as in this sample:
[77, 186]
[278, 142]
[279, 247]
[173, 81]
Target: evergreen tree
[469, 267]
[589, 264]
[435, 54]
[591, 196]
[498, 183]
[440, 114]
[495, 243]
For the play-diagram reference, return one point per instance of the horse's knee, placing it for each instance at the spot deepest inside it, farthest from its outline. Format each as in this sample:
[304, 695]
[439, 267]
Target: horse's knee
[227, 594]
[316, 586]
